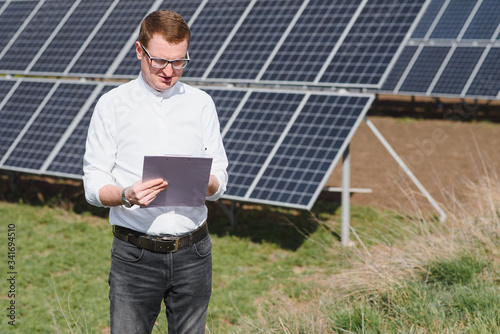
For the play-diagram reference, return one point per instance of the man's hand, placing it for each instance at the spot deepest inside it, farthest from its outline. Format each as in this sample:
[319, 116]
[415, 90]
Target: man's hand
[213, 185]
[144, 193]
[139, 193]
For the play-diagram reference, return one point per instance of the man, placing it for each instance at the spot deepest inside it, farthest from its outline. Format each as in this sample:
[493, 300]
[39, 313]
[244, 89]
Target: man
[158, 253]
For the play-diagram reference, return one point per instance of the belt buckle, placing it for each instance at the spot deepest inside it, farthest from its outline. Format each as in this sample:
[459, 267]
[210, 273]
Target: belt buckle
[176, 242]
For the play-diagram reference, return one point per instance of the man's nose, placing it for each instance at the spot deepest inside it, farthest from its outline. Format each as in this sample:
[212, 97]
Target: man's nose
[168, 70]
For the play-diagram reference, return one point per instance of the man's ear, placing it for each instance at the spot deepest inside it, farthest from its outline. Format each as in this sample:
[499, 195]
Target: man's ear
[138, 50]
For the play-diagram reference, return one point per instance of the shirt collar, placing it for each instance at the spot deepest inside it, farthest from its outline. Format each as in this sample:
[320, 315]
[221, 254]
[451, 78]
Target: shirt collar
[160, 95]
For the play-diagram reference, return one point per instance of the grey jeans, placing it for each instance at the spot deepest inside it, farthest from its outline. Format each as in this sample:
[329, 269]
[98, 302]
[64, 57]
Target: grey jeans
[139, 280]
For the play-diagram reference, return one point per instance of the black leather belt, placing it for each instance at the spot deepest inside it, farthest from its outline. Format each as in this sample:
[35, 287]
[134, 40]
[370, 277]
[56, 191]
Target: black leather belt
[159, 244]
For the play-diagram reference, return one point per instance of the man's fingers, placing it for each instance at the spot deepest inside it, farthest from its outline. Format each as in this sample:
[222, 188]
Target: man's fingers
[144, 193]
[153, 183]
[148, 198]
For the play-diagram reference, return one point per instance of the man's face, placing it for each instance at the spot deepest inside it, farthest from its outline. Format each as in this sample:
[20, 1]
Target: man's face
[161, 79]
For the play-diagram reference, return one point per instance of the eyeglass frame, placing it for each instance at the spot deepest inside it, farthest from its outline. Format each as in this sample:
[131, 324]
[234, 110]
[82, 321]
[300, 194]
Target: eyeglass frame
[185, 60]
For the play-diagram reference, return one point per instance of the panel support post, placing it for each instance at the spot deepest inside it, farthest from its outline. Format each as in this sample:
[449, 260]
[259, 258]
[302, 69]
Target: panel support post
[13, 180]
[346, 194]
[395, 156]
[230, 211]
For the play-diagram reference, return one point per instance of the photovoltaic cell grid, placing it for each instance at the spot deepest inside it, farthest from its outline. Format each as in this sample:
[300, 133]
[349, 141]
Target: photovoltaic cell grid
[227, 102]
[310, 42]
[485, 21]
[253, 135]
[73, 34]
[18, 110]
[426, 21]
[209, 32]
[12, 16]
[451, 52]
[43, 134]
[107, 43]
[454, 17]
[424, 70]
[69, 159]
[457, 72]
[399, 68]
[372, 42]
[487, 80]
[5, 87]
[292, 152]
[310, 150]
[34, 35]
[36, 115]
[255, 39]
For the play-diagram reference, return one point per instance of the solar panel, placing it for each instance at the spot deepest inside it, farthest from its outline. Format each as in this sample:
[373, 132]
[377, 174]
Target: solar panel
[457, 71]
[68, 161]
[75, 31]
[227, 102]
[284, 154]
[310, 150]
[485, 21]
[454, 17]
[372, 42]
[5, 87]
[399, 68]
[310, 42]
[451, 52]
[129, 66]
[487, 80]
[40, 27]
[105, 46]
[254, 133]
[428, 18]
[12, 16]
[18, 110]
[255, 39]
[209, 32]
[424, 70]
[46, 129]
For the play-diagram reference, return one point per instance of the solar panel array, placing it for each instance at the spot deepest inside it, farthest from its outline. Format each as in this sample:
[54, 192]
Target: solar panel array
[282, 145]
[453, 51]
[347, 43]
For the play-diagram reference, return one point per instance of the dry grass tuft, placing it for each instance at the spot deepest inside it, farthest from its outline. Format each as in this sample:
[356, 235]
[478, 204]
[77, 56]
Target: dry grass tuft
[473, 226]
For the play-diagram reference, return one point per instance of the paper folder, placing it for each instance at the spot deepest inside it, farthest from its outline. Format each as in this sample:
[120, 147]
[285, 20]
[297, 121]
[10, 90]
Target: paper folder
[187, 179]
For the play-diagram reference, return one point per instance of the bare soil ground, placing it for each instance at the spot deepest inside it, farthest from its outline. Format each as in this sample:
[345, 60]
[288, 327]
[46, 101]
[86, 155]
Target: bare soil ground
[442, 154]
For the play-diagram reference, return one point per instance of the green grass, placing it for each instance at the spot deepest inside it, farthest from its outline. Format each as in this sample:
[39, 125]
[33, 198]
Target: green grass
[278, 271]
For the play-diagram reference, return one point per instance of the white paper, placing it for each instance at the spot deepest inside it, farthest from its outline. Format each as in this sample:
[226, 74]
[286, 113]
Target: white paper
[187, 179]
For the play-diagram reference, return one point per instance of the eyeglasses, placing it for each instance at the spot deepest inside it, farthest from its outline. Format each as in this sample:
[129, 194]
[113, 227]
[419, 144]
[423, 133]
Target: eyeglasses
[177, 64]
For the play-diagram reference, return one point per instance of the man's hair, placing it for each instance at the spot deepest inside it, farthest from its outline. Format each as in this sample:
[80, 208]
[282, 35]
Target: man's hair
[168, 24]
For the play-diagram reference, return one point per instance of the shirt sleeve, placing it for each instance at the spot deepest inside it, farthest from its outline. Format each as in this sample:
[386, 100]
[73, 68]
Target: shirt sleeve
[215, 149]
[100, 150]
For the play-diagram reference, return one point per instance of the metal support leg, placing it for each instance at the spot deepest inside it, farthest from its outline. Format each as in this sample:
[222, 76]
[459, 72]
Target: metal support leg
[442, 214]
[230, 211]
[13, 180]
[346, 194]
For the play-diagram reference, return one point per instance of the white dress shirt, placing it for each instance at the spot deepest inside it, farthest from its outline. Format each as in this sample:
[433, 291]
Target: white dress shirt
[134, 120]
